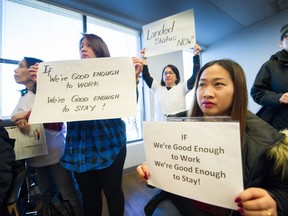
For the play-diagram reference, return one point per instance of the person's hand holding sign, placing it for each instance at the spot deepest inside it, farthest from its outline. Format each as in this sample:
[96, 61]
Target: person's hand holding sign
[33, 72]
[138, 67]
[143, 172]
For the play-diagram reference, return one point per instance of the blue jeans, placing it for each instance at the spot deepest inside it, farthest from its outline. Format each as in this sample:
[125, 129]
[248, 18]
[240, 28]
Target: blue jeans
[56, 179]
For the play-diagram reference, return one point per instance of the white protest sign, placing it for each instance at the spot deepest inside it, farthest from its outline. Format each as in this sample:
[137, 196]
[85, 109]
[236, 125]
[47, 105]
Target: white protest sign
[170, 34]
[86, 89]
[30, 145]
[198, 160]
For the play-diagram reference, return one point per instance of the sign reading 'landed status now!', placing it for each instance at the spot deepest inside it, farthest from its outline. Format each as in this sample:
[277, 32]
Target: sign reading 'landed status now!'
[170, 34]
[86, 89]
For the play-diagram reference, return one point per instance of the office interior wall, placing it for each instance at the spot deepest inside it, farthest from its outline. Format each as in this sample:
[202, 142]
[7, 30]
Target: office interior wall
[250, 48]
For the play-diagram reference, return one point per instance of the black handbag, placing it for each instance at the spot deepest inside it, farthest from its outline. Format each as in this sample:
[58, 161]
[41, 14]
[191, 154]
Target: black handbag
[56, 206]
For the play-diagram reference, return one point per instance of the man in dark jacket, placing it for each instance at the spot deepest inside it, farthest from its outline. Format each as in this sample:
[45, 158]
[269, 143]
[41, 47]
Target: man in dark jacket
[7, 157]
[270, 88]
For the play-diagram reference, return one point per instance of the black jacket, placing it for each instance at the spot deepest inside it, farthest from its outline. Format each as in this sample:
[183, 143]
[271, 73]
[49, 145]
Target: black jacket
[269, 85]
[260, 137]
[7, 157]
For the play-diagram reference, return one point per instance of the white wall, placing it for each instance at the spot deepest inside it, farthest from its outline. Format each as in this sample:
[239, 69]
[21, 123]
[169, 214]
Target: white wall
[135, 155]
[250, 48]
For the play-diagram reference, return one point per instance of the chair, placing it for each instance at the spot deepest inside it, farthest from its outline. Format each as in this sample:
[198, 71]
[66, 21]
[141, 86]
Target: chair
[161, 205]
[18, 199]
[13, 196]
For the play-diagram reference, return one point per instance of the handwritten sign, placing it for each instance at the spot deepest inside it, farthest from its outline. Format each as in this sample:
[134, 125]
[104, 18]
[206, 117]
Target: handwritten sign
[86, 89]
[198, 160]
[170, 34]
[30, 145]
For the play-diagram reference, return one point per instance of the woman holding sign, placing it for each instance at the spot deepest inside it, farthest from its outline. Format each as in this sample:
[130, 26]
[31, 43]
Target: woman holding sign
[170, 93]
[221, 91]
[96, 149]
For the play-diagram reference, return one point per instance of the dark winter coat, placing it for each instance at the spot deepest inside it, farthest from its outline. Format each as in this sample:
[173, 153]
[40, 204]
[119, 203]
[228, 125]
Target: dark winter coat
[269, 85]
[7, 157]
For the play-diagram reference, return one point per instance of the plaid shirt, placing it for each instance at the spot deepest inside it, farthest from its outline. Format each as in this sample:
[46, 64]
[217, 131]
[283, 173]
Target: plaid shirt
[93, 145]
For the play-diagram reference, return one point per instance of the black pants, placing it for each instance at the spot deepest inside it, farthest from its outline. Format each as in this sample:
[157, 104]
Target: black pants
[92, 182]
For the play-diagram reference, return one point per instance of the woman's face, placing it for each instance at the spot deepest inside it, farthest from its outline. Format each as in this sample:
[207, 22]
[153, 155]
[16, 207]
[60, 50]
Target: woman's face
[169, 77]
[215, 91]
[21, 74]
[86, 50]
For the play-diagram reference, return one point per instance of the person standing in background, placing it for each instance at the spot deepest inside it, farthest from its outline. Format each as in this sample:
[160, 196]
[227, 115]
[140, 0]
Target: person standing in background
[51, 177]
[169, 94]
[96, 149]
[270, 88]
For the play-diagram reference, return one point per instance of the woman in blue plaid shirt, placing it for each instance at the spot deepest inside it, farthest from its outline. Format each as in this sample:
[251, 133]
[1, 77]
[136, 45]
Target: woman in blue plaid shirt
[96, 149]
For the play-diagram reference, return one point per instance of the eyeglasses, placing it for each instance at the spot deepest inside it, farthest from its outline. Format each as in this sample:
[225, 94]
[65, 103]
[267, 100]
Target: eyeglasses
[168, 73]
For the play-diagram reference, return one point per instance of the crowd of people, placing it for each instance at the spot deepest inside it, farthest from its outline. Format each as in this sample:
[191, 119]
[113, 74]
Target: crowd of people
[87, 158]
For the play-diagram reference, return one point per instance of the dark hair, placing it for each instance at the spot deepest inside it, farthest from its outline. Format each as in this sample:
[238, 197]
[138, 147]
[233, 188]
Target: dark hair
[239, 107]
[283, 31]
[175, 70]
[99, 47]
[31, 61]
